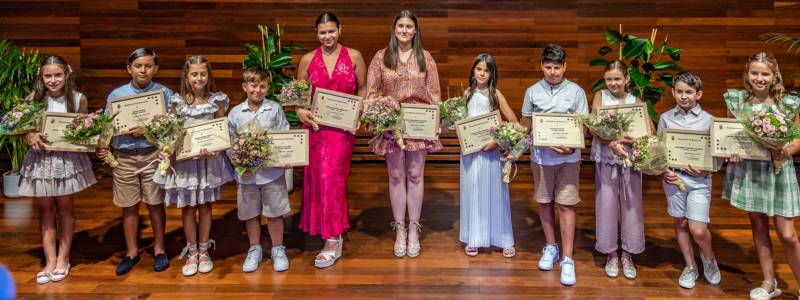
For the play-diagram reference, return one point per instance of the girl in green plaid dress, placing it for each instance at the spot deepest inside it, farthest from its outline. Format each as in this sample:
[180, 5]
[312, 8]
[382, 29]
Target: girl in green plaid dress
[752, 185]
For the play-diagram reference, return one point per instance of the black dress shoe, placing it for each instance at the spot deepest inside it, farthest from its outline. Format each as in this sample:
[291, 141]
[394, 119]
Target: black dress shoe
[161, 263]
[126, 265]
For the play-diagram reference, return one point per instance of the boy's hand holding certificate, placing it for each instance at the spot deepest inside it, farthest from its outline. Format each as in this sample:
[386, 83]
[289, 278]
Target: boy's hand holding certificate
[689, 148]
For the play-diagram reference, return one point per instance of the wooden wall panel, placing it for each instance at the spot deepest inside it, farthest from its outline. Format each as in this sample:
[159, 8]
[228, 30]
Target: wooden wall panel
[96, 36]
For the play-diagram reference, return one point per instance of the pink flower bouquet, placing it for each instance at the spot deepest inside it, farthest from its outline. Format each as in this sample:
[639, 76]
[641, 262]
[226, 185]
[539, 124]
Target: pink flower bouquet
[24, 117]
[773, 130]
[649, 156]
[295, 92]
[166, 132]
[383, 115]
[251, 150]
[94, 129]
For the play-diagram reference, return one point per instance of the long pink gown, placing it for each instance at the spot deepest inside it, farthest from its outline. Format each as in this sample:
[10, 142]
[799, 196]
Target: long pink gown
[324, 208]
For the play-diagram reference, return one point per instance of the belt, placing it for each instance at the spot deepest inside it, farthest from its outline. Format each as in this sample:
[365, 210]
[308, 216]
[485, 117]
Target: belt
[136, 151]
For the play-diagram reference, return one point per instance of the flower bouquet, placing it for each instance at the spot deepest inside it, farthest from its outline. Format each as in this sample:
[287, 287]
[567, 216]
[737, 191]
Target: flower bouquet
[24, 117]
[383, 115]
[251, 149]
[771, 130]
[452, 110]
[166, 132]
[649, 156]
[609, 125]
[512, 138]
[94, 129]
[295, 92]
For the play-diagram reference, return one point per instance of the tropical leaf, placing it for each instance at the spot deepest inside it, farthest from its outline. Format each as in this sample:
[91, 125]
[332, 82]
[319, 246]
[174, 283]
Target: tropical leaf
[600, 62]
[612, 36]
[604, 50]
[280, 60]
[294, 46]
[634, 47]
[664, 65]
[782, 39]
[638, 78]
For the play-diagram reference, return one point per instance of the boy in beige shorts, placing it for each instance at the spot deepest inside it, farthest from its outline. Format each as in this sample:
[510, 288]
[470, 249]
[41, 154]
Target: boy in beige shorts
[262, 192]
[555, 169]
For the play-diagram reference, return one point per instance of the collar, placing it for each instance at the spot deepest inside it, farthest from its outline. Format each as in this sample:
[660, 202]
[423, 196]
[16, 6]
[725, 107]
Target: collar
[553, 88]
[148, 88]
[695, 111]
[262, 108]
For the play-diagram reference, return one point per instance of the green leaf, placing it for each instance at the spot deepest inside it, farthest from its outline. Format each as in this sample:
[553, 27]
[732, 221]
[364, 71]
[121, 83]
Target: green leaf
[648, 47]
[647, 67]
[652, 93]
[600, 62]
[293, 46]
[612, 36]
[639, 79]
[674, 53]
[651, 110]
[666, 78]
[634, 48]
[604, 50]
[598, 85]
[629, 37]
[664, 65]
[280, 60]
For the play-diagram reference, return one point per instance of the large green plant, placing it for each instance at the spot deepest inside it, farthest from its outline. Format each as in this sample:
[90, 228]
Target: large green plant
[17, 73]
[790, 43]
[275, 59]
[651, 67]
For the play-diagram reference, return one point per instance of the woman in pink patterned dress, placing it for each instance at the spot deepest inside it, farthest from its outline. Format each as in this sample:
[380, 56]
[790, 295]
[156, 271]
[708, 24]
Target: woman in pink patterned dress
[338, 68]
[407, 73]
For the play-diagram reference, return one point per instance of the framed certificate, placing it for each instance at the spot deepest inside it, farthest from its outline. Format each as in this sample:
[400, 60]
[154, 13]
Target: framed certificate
[420, 121]
[689, 147]
[554, 129]
[289, 147]
[136, 110]
[728, 137]
[211, 135]
[640, 119]
[53, 125]
[473, 133]
[336, 109]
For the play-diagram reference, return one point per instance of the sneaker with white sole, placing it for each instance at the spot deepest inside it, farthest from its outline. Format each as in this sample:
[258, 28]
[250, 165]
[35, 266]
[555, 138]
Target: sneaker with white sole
[688, 277]
[568, 272]
[711, 270]
[549, 257]
[253, 259]
[279, 259]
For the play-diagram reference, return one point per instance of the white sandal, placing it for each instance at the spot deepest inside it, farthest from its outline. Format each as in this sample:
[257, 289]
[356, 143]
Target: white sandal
[43, 277]
[471, 251]
[59, 275]
[205, 264]
[414, 248]
[761, 293]
[400, 243]
[327, 258]
[190, 268]
[509, 252]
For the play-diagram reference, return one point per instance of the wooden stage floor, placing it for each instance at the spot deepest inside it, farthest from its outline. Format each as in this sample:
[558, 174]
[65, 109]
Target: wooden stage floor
[368, 269]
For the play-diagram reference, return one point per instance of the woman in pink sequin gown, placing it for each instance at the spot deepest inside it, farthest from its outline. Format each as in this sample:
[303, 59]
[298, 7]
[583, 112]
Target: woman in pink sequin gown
[335, 67]
[407, 73]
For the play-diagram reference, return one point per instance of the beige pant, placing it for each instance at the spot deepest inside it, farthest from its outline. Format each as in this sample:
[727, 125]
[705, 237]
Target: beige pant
[269, 199]
[129, 187]
[558, 182]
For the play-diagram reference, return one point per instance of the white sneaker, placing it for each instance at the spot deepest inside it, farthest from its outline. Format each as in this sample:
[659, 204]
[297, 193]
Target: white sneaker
[711, 270]
[549, 257]
[568, 272]
[688, 277]
[253, 259]
[279, 259]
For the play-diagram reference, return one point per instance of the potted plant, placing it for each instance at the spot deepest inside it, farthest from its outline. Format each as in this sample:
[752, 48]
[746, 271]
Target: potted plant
[650, 66]
[17, 72]
[277, 60]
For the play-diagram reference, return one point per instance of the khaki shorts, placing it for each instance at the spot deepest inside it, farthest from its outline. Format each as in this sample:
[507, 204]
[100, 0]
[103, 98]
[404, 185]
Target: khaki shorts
[129, 187]
[559, 182]
[269, 199]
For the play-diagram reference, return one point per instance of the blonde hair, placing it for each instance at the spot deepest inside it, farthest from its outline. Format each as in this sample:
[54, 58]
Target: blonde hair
[186, 87]
[256, 75]
[776, 90]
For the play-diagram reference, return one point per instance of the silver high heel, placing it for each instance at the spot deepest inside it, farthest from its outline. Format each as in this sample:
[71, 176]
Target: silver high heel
[414, 246]
[400, 241]
[327, 258]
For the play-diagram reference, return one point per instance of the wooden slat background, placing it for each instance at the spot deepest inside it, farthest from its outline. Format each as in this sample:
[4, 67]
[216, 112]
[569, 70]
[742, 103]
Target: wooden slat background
[96, 36]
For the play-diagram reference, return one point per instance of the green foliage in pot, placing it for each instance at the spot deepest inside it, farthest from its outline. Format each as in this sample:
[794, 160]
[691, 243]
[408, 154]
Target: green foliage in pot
[791, 43]
[275, 59]
[651, 66]
[17, 72]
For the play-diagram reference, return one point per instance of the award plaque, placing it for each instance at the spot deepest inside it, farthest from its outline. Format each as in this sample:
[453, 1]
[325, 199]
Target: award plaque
[289, 147]
[53, 125]
[728, 137]
[211, 135]
[420, 121]
[475, 132]
[689, 147]
[136, 110]
[556, 129]
[640, 119]
[336, 109]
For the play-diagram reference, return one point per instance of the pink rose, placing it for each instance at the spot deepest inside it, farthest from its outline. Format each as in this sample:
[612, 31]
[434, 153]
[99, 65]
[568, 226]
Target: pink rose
[757, 122]
[784, 129]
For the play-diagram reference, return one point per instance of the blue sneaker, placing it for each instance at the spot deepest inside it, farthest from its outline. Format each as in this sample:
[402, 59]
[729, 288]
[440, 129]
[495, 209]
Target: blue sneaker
[161, 263]
[549, 257]
[568, 272]
[126, 265]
